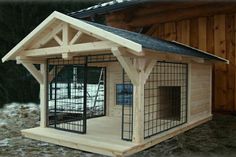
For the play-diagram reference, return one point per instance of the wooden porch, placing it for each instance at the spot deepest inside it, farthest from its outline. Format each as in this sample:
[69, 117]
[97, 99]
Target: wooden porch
[103, 136]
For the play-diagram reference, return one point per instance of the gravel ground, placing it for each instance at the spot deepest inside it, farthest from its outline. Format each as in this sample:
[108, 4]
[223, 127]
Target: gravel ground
[216, 138]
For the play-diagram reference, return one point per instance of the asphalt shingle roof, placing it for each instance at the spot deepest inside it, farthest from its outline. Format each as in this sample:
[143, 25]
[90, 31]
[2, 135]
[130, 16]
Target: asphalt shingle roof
[159, 44]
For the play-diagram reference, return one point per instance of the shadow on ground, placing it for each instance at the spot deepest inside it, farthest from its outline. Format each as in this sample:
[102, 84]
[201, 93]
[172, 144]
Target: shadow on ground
[216, 138]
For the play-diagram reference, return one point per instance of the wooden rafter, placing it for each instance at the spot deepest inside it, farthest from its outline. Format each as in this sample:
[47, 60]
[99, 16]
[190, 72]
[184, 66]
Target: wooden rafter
[58, 40]
[48, 37]
[76, 37]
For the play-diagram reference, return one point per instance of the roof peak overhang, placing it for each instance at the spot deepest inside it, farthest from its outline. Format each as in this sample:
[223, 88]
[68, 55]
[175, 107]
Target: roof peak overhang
[33, 43]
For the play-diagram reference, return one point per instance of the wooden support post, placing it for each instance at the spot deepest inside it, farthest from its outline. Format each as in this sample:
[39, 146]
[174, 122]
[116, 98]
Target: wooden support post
[138, 106]
[43, 97]
[65, 34]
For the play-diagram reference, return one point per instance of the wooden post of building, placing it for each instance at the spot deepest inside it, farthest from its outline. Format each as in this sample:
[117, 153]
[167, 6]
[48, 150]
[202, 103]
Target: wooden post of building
[43, 96]
[135, 72]
[138, 104]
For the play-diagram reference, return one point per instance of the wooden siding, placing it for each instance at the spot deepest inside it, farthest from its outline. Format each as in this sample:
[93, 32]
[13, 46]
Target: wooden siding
[114, 76]
[212, 30]
[200, 91]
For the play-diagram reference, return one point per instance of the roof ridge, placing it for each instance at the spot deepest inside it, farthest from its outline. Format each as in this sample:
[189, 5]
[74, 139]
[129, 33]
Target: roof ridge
[101, 8]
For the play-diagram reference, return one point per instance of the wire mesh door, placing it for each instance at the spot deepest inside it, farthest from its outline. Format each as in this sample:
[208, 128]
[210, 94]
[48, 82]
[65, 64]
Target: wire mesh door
[67, 98]
[76, 92]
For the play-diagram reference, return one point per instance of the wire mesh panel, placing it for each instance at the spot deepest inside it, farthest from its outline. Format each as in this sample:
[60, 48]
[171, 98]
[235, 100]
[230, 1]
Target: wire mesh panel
[67, 98]
[96, 92]
[76, 91]
[127, 108]
[165, 98]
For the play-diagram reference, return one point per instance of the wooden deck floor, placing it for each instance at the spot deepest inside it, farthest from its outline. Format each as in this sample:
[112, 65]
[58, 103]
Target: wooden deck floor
[103, 136]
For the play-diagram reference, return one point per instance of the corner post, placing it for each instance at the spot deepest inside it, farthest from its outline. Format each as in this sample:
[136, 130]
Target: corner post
[43, 97]
[138, 104]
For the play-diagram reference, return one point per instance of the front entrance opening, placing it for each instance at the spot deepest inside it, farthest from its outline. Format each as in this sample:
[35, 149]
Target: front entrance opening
[76, 92]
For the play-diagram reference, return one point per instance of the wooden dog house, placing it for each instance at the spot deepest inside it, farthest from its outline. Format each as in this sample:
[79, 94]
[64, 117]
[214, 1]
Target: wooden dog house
[111, 91]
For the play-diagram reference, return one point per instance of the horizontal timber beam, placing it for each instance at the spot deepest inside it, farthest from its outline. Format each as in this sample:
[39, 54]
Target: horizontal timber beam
[20, 59]
[84, 47]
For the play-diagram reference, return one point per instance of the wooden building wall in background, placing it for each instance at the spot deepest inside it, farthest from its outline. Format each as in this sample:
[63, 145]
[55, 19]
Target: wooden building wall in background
[209, 27]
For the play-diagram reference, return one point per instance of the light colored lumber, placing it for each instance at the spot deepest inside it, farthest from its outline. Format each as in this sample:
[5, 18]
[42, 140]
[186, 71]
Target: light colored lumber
[20, 46]
[65, 34]
[78, 48]
[75, 23]
[198, 60]
[58, 40]
[138, 104]
[127, 65]
[76, 37]
[43, 97]
[35, 73]
[103, 137]
[20, 59]
[98, 33]
[99, 142]
[47, 37]
[67, 56]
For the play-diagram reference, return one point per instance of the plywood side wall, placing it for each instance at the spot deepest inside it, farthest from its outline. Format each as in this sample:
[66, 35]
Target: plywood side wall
[214, 33]
[200, 91]
[114, 76]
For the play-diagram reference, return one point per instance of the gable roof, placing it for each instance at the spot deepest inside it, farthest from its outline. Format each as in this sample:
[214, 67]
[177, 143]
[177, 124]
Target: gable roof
[159, 44]
[81, 25]
[103, 8]
[131, 40]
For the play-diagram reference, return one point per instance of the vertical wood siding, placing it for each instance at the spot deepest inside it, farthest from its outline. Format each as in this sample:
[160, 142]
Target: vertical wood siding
[215, 34]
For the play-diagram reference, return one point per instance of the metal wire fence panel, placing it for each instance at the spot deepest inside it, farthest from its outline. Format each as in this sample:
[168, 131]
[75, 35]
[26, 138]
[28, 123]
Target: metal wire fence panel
[127, 109]
[76, 91]
[165, 98]
[67, 99]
